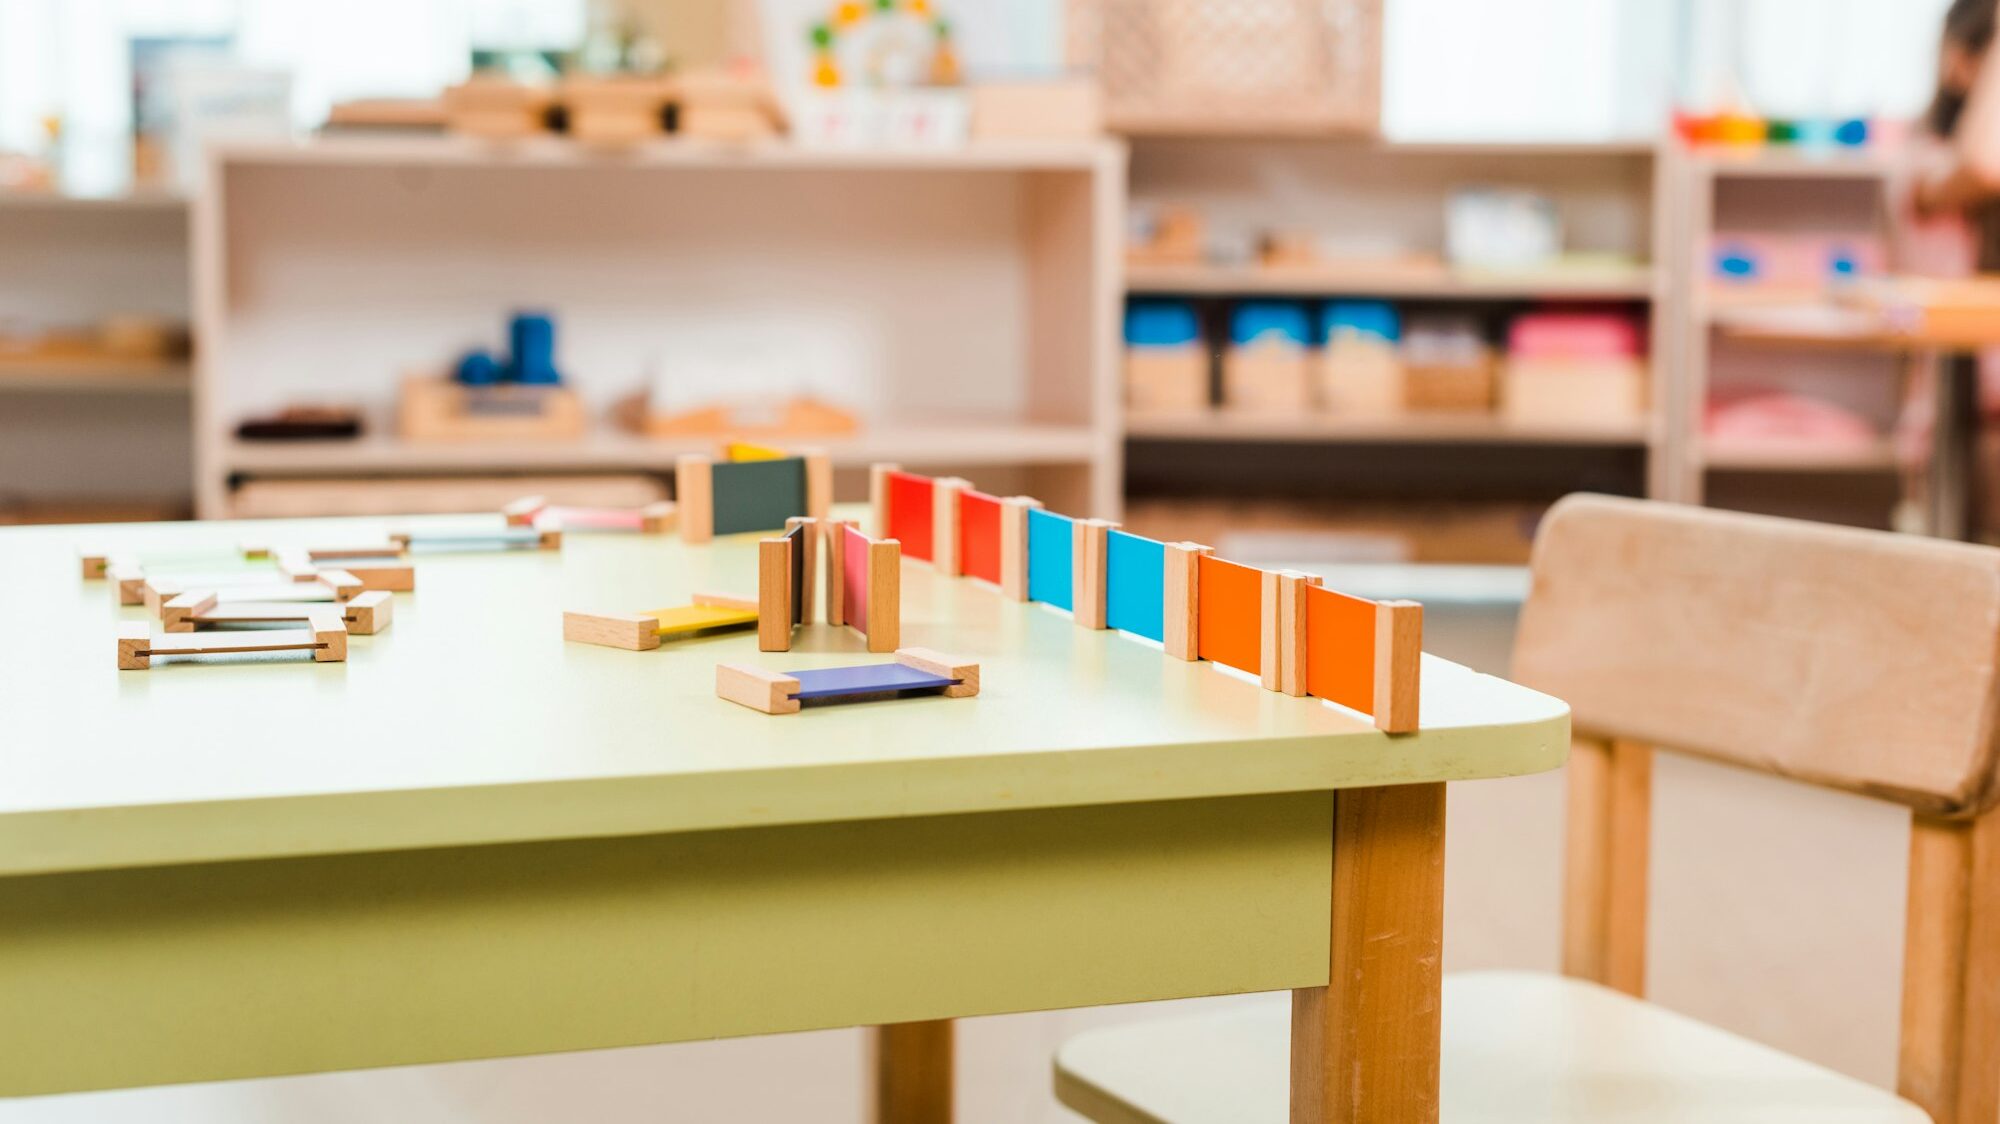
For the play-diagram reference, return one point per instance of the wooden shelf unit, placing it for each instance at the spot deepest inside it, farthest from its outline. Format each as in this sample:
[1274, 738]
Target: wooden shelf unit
[82, 433]
[1611, 198]
[963, 302]
[1745, 335]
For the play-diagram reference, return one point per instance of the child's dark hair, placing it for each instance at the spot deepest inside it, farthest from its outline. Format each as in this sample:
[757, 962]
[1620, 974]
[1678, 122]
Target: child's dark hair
[1969, 26]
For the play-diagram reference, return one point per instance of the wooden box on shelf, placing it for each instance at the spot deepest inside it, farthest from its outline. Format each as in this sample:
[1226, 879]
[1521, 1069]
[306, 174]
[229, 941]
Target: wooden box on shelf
[1361, 378]
[616, 109]
[1442, 387]
[1267, 379]
[798, 417]
[487, 105]
[1447, 365]
[434, 408]
[1166, 380]
[721, 105]
[1577, 367]
[1574, 393]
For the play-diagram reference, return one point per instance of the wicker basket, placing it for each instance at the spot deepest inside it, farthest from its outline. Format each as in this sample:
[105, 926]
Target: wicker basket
[1293, 66]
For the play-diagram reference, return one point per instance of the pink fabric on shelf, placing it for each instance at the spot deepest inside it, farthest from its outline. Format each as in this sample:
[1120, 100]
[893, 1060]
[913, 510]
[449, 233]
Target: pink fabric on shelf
[1562, 334]
[1785, 420]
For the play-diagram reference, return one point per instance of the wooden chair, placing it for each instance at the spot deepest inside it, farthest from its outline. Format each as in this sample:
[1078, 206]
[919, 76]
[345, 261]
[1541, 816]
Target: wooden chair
[1853, 660]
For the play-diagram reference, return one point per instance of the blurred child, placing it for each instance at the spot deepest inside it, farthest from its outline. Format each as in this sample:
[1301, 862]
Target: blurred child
[1949, 212]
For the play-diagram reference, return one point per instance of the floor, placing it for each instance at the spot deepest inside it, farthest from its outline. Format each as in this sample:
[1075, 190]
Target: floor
[1776, 912]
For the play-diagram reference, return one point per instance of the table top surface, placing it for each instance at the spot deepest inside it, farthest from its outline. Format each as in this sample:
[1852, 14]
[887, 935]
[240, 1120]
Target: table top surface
[471, 721]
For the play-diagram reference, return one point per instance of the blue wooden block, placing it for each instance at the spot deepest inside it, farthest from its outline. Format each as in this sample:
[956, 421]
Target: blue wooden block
[1051, 542]
[868, 679]
[1135, 585]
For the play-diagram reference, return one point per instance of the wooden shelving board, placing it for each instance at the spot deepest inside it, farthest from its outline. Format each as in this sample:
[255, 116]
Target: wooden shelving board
[141, 200]
[616, 449]
[1440, 428]
[678, 152]
[1877, 457]
[1809, 164]
[95, 376]
[1637, 283]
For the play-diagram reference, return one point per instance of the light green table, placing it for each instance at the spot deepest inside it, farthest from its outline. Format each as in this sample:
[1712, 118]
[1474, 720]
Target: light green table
[474, 840]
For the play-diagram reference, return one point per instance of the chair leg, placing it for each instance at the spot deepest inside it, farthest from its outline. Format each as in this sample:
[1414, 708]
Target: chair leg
[1949, 1060]
[1605, 862]
[1365, 1048]
[913, 1073]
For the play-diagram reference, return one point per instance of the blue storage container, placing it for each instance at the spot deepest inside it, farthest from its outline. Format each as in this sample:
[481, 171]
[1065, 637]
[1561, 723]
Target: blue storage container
[1362, 318]
[1161, 323]
[1270, 322]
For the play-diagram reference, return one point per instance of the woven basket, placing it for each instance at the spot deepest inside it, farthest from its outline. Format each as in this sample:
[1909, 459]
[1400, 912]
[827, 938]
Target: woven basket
[1269, 66]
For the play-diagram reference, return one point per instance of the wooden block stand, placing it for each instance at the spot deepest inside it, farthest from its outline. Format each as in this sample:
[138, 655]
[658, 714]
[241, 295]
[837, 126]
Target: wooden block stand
[915, 670]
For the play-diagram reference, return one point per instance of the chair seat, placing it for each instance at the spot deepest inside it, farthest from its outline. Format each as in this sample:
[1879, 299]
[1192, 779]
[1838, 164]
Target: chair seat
[1518, 1046]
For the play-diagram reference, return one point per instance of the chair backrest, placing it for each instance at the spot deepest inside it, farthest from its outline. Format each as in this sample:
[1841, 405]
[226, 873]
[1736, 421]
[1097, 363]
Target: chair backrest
[1857, 660]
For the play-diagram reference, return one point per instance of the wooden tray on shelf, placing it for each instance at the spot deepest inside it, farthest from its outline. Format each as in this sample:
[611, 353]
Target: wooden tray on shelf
[434, 408]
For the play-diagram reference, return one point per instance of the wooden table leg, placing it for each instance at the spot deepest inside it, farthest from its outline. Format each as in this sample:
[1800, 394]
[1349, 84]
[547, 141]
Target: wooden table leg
[913, 1073]
[1365, 1048]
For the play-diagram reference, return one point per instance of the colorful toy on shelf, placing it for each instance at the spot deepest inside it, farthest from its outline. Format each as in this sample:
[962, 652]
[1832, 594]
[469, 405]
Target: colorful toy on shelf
[758, 493]
[916, 671]
[1166, 234]
[1804, 263]
[1574, 367]
[1266, 368]
[1447, 365]
[1733, 129]
[705, 614]
[202, 609]
[1361, 371]
[1166, 364]
[532, 511]
[882, 72]
[325, 637]
[520, 397]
